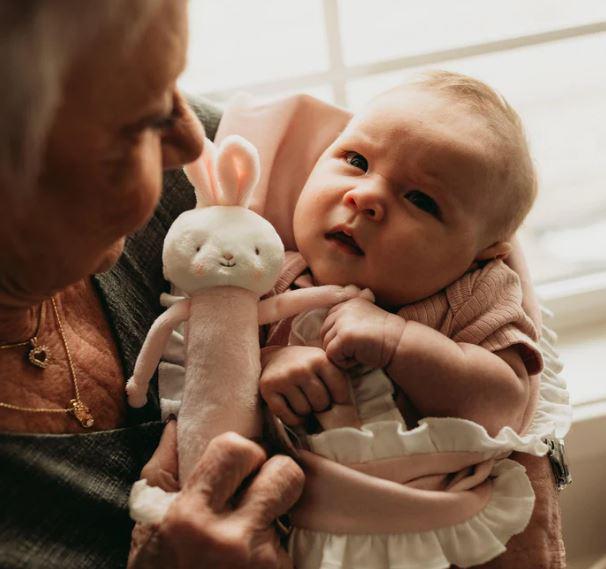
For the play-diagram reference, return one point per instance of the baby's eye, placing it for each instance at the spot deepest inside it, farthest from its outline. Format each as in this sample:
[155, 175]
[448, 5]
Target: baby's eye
[423, 201]
[357, 161]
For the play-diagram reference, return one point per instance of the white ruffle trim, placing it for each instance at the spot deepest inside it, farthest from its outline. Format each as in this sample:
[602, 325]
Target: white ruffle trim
[554, 413]
[472, 542]
[389, 439]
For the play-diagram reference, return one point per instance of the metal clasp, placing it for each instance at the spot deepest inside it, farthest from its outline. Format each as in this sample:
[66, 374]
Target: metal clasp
[559, 462]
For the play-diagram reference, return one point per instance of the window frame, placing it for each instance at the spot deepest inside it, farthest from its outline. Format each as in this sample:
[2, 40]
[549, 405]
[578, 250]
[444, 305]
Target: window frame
[576, 301]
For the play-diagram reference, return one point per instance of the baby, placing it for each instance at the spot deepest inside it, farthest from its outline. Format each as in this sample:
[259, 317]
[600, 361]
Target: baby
[416, 200]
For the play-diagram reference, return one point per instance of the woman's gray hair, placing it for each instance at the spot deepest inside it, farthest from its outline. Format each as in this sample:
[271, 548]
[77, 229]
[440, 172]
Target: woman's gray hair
[39, 39]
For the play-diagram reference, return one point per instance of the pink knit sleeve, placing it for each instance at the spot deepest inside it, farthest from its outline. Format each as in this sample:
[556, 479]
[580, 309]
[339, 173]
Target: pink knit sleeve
[487, 311]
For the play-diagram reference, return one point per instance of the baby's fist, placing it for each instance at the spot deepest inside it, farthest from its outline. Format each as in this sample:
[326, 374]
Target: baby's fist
[359, 332]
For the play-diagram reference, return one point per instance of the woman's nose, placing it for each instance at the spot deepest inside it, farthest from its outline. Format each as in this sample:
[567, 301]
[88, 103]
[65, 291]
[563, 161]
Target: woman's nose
[366, 201]
[183, 143]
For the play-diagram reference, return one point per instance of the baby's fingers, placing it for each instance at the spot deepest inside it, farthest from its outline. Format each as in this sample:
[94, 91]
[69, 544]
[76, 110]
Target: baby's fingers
[339, 352]
[297, 400]
[317, 394]
[336, 382]
[328, 329]
[279, 407]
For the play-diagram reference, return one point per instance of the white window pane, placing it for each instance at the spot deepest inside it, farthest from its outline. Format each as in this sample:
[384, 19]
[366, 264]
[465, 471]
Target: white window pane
[322, 92]
[240, 42]
[559, 89]
[582, 352]
[386, 29]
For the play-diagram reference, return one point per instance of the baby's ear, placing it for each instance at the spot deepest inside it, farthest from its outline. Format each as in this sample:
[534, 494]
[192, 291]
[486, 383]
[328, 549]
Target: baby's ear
[237, 169]
[498, 250]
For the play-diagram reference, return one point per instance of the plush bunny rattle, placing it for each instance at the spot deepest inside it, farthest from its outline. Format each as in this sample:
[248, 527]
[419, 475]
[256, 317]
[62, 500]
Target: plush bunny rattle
[223, 257]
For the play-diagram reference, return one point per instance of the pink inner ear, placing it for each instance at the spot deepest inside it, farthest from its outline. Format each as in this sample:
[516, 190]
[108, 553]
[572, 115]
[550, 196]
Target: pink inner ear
[237, 169]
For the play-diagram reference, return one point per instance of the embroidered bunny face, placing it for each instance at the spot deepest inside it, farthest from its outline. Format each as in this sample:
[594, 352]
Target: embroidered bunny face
[222, 246]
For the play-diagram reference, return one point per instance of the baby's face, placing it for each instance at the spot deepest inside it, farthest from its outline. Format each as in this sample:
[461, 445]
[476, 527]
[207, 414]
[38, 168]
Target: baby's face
[397, 202]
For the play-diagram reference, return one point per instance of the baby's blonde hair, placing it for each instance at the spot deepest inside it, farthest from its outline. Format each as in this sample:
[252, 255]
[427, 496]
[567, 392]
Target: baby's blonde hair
[514, 179]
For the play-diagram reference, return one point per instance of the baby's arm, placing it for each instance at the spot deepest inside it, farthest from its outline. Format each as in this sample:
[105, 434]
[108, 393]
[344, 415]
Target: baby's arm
[439, 376]
[444, 378]
[151, 351]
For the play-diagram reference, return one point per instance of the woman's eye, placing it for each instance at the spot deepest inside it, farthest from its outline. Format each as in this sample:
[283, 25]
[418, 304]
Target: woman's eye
[164, 124]
[357, 161]
[423, 201]
[167, 122]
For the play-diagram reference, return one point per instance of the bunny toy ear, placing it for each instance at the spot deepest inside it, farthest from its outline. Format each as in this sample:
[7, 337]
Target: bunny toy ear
[237, 170]
[201, 174]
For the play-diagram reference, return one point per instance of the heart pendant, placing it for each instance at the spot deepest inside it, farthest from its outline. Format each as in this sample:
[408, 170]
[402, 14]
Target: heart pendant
[39, 356]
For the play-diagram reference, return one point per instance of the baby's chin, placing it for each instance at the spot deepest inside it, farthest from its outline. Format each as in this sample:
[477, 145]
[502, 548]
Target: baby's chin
[322, 275]
[110, 256]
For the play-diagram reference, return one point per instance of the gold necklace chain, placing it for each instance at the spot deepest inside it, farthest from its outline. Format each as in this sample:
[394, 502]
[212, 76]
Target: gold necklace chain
[39, 354]
[29, 340]
[76, 406]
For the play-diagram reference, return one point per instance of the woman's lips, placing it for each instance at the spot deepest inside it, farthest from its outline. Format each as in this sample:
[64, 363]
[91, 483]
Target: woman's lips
[345, 242]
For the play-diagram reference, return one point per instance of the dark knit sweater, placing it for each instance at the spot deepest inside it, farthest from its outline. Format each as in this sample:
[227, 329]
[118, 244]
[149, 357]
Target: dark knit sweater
[63, 498]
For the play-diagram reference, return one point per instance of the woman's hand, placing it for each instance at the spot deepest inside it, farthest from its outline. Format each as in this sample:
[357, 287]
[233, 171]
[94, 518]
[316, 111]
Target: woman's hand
[217, 520]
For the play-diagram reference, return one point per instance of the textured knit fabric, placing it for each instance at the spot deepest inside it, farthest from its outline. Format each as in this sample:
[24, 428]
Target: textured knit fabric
[63, 502]
[483, 307]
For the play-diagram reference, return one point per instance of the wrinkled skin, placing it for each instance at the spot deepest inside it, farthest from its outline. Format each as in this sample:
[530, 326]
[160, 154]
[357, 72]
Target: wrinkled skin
[121, 122]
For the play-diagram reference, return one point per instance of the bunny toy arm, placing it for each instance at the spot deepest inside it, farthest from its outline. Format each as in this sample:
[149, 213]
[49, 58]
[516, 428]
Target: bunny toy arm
[294, 302]
[151, 351]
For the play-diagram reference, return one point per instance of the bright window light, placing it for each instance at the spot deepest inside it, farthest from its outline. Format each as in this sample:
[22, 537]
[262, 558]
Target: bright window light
[546, 57]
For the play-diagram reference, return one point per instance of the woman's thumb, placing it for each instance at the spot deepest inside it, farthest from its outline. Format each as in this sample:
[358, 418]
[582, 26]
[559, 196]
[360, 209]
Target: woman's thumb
[162, 470]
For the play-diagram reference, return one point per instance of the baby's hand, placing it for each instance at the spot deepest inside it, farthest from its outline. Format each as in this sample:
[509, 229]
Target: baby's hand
[297, 380]
[359, 332]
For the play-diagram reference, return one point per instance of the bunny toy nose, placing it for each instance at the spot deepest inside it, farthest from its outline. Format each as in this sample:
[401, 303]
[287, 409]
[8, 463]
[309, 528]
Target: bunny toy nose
[228, 256]
[366, 202]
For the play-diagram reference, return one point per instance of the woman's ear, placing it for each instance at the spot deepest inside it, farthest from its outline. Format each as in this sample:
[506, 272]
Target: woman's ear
[498, 250]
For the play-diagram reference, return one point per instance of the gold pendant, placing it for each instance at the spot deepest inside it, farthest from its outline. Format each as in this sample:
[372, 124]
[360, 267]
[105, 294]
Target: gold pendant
[82, 413]
[38, 355]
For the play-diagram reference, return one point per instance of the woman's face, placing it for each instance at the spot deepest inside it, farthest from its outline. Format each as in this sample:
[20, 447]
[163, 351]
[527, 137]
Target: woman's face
[120, 123]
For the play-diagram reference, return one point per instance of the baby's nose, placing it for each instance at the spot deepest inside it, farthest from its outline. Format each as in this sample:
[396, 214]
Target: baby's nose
[367, 202]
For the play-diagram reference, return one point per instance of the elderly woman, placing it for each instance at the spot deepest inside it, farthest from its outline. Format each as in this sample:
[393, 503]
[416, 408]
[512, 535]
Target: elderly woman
[90, 117]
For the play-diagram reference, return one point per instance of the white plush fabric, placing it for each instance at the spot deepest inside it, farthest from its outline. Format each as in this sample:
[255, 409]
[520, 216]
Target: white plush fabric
[148, 504]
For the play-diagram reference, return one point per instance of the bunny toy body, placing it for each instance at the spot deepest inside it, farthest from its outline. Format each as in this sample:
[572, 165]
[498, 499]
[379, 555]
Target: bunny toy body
[223, 257]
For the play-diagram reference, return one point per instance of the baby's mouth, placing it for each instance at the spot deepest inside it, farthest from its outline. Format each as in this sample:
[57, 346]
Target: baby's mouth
[346, 242]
